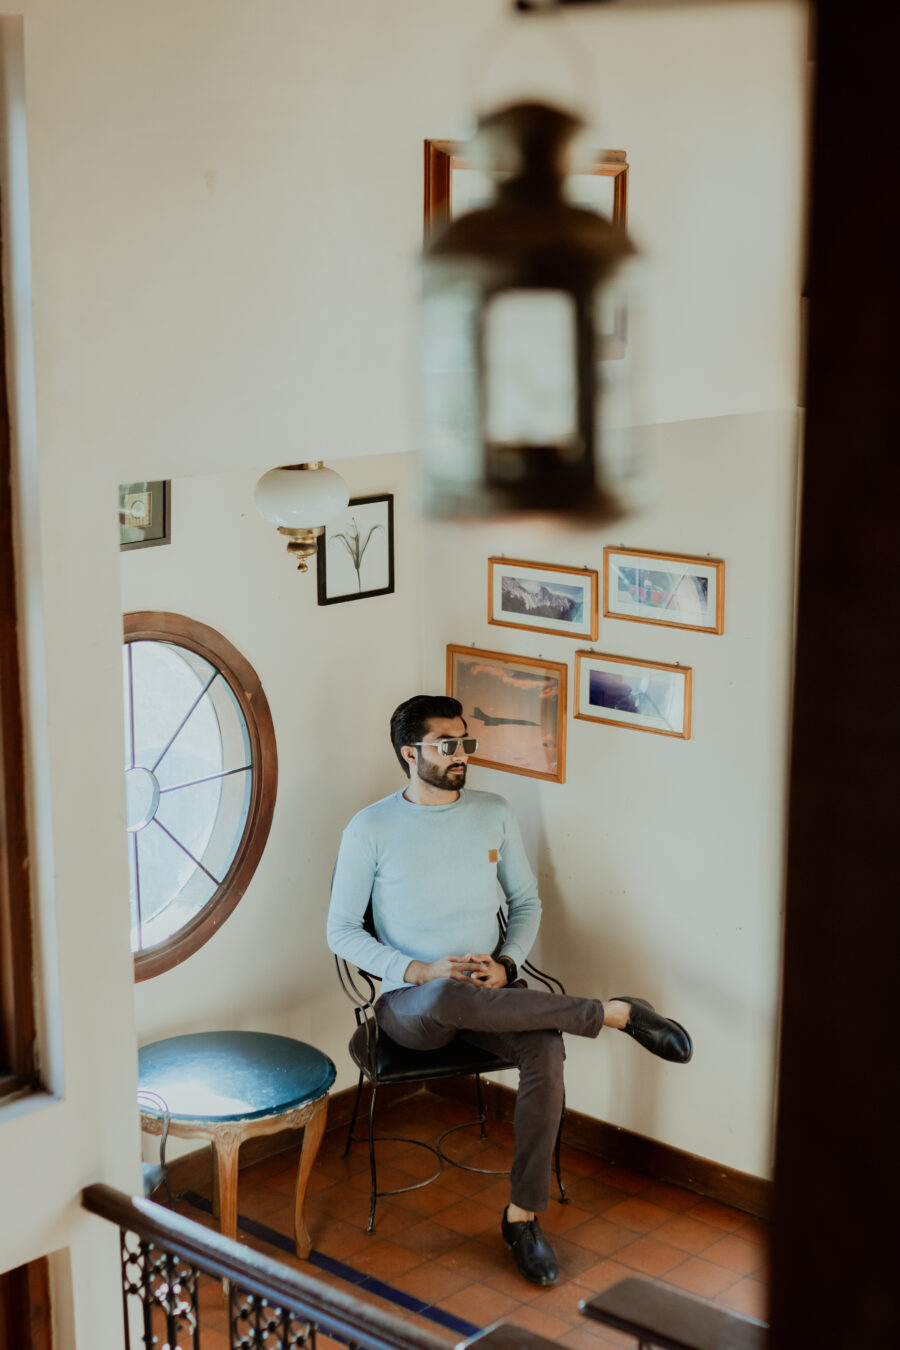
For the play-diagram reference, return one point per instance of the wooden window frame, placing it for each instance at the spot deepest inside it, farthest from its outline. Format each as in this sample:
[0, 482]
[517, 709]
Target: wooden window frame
[25, 1318]
[18, 1067]
[442, 157]
[236, 670]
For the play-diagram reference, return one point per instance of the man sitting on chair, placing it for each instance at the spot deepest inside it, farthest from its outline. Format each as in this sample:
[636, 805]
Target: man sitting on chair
[430, 857]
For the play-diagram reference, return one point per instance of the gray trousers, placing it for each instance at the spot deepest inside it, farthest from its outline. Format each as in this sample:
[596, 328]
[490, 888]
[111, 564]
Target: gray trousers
[523, 1025]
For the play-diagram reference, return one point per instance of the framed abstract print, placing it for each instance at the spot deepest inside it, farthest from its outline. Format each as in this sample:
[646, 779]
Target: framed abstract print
[145, 514]
[668, 588]
[644, 695]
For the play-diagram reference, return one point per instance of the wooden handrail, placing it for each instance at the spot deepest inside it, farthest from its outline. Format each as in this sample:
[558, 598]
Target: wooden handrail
[335, 1313]
[671, 1320]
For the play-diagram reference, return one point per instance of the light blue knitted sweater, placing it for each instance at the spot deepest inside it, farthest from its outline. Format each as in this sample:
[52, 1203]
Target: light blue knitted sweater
[436, 875]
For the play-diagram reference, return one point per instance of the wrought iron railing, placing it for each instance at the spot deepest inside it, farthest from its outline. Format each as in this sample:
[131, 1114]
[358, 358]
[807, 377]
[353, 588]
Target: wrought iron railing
[168, 1261]
[170, 1265]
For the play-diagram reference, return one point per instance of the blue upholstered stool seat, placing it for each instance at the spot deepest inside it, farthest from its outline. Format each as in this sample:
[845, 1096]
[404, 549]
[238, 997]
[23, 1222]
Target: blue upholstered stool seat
[233, 1075]
[228, 1086]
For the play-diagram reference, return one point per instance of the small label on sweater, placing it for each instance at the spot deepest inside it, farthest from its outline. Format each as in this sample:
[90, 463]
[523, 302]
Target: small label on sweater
[493, 855]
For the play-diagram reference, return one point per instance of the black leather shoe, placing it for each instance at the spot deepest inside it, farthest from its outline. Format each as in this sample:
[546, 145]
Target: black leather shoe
[535, 1257]
[658, 1034]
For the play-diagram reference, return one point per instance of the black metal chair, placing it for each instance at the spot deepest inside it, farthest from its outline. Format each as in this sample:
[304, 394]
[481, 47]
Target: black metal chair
[156, 1174]
[381, 1061]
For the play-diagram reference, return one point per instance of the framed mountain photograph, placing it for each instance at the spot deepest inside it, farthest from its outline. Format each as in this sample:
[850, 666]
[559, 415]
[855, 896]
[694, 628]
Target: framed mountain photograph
[544, 597]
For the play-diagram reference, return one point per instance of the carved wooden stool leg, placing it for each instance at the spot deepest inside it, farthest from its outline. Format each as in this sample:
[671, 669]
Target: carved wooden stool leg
[312, 1137]
[214, 1194]
[226, 1145]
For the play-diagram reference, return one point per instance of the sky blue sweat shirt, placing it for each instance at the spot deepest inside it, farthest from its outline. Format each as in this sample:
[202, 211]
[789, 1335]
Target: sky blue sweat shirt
[436, 875]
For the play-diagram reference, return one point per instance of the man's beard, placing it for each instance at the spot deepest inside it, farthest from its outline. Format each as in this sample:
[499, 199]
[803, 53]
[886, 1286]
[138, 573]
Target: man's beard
[451, 778]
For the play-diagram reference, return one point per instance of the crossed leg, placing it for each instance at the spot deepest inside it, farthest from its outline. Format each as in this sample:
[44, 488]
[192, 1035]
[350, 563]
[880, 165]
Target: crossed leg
[523, 1025]
[539, 1057]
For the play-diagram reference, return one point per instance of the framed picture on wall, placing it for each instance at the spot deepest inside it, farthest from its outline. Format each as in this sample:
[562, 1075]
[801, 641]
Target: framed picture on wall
[454, 186]
[644, 695]
[668, 588]
[544, 597]
[145, 514]
[355, 555]
[515, 706]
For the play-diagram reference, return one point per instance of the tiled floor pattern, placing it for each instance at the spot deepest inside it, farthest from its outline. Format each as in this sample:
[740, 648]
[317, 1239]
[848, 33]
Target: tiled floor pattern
[436, 1257]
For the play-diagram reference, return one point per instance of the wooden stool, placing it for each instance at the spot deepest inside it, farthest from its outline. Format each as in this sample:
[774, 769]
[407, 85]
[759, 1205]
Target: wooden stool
[228, 1086]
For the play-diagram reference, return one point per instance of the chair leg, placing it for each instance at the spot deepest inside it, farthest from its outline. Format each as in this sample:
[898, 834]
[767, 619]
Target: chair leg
[563, 1198]
[481, 1115]
[162, 1160]
[373, 1200]
[359, 1087]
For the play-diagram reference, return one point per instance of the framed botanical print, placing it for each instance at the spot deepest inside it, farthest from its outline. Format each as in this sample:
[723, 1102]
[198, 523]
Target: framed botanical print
[355, 555]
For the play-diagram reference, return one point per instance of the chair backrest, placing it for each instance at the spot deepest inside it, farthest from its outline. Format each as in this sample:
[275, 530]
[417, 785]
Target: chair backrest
[369, 920]
[528, 968]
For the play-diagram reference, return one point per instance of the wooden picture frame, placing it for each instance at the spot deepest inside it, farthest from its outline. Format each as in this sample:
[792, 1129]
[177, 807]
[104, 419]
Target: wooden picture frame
[602, 187]
[350, 552]
[543, 597]
[445, 158]
[523, 727]
[619, 691]
[676, 590]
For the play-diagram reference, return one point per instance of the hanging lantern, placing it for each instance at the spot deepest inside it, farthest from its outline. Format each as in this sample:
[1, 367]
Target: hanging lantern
[517, 411]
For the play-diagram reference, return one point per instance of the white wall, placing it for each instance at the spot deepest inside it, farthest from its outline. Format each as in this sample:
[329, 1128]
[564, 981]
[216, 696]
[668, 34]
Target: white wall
[225, 203]
[230, 202]
[85, 1127]
[660, 860]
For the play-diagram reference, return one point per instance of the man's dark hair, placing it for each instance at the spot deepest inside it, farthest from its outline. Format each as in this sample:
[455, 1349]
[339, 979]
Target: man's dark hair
[409, 722]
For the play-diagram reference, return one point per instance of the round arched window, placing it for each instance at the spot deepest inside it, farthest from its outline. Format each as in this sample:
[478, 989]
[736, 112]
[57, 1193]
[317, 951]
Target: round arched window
[201, 773]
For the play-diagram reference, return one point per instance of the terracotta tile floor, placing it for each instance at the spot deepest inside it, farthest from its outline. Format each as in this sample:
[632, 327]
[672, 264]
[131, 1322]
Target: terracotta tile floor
[436, 1257]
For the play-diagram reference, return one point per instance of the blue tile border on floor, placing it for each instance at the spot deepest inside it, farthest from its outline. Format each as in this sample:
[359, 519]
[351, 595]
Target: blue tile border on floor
[359, 1278]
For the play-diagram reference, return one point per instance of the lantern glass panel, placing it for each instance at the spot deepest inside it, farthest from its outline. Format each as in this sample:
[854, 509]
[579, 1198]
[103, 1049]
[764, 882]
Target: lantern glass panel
[530, 374]
[618, 405]
[449, 410]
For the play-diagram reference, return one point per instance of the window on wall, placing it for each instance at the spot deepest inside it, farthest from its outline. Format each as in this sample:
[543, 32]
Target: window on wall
[200, 781]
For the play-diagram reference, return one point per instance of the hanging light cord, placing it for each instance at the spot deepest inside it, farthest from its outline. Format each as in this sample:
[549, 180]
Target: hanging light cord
[572, 51]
